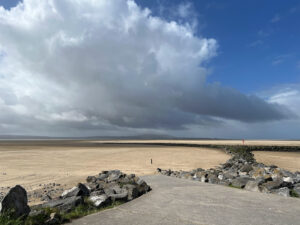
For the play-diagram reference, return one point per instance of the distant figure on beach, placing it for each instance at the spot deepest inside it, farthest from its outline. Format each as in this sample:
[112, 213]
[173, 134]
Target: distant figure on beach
[243, 141]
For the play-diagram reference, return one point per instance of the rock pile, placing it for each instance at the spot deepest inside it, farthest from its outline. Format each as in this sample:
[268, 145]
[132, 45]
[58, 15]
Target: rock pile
[242, 171]
[98, 191]
[101, 190]
[45, 192]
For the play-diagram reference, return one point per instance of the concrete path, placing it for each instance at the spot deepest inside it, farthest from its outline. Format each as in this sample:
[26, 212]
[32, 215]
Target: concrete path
[178, 201]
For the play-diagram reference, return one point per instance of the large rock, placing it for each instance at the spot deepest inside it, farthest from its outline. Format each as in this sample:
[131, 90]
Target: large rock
[271, 185]
[142, 186]
[230, 174]
[113, 175]
[132, 191]
[240, 182]
[200, 174]
[282, 191]
[246, 168]
[102, 176]
[99, 200]
[64, 205]
[80, 190]
[16, 202]
[121, 196]
[109, 191]
[288, 179]
[213, 179]
[258, 172]
[252, 185]
[286, 173]
[277, 173]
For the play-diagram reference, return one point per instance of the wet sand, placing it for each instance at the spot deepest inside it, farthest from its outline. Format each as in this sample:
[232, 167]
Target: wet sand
[212, 142]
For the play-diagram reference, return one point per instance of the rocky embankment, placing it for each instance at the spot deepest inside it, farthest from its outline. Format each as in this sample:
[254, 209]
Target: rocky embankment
[98, 192]
[242, 171]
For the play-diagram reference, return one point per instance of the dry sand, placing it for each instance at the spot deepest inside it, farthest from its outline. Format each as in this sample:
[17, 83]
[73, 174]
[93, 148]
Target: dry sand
[287, 160]
[31, 163]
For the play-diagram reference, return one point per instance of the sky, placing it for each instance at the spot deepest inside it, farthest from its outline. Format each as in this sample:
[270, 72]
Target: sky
[215, 69]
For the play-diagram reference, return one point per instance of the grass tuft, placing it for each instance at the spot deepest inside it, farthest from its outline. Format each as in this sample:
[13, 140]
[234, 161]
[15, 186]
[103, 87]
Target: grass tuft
[81, 210]
[294, 194]
[7, 219]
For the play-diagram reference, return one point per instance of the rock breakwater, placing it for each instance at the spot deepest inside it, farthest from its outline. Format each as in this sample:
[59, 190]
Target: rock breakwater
[242, 171]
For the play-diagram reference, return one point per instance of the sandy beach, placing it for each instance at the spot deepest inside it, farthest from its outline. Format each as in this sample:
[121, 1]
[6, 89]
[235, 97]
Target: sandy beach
[32, 163]
[287, 160]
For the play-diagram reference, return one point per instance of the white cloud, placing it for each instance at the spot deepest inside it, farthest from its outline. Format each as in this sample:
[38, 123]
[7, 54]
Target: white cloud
[185, 9]
[101, 66]
[288, 96]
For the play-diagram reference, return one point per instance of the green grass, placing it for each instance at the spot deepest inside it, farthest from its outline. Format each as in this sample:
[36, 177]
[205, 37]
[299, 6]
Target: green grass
[294, 194]
[86, 209]
[7, 219]
[81, 210]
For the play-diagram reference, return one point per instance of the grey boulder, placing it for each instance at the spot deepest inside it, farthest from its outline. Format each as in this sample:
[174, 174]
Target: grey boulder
[270, 185]
[80, 190]
[99, 200]
[282, 191]
[240, 182]
[64, 205]
[252, 185]
[246, 168]
[132, 191]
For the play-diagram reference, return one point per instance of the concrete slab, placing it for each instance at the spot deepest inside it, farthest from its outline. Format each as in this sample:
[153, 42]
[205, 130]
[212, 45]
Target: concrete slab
[185, 202]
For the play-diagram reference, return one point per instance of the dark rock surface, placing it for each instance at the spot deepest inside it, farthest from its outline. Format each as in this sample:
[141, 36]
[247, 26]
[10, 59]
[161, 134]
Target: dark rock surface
[15, 202]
